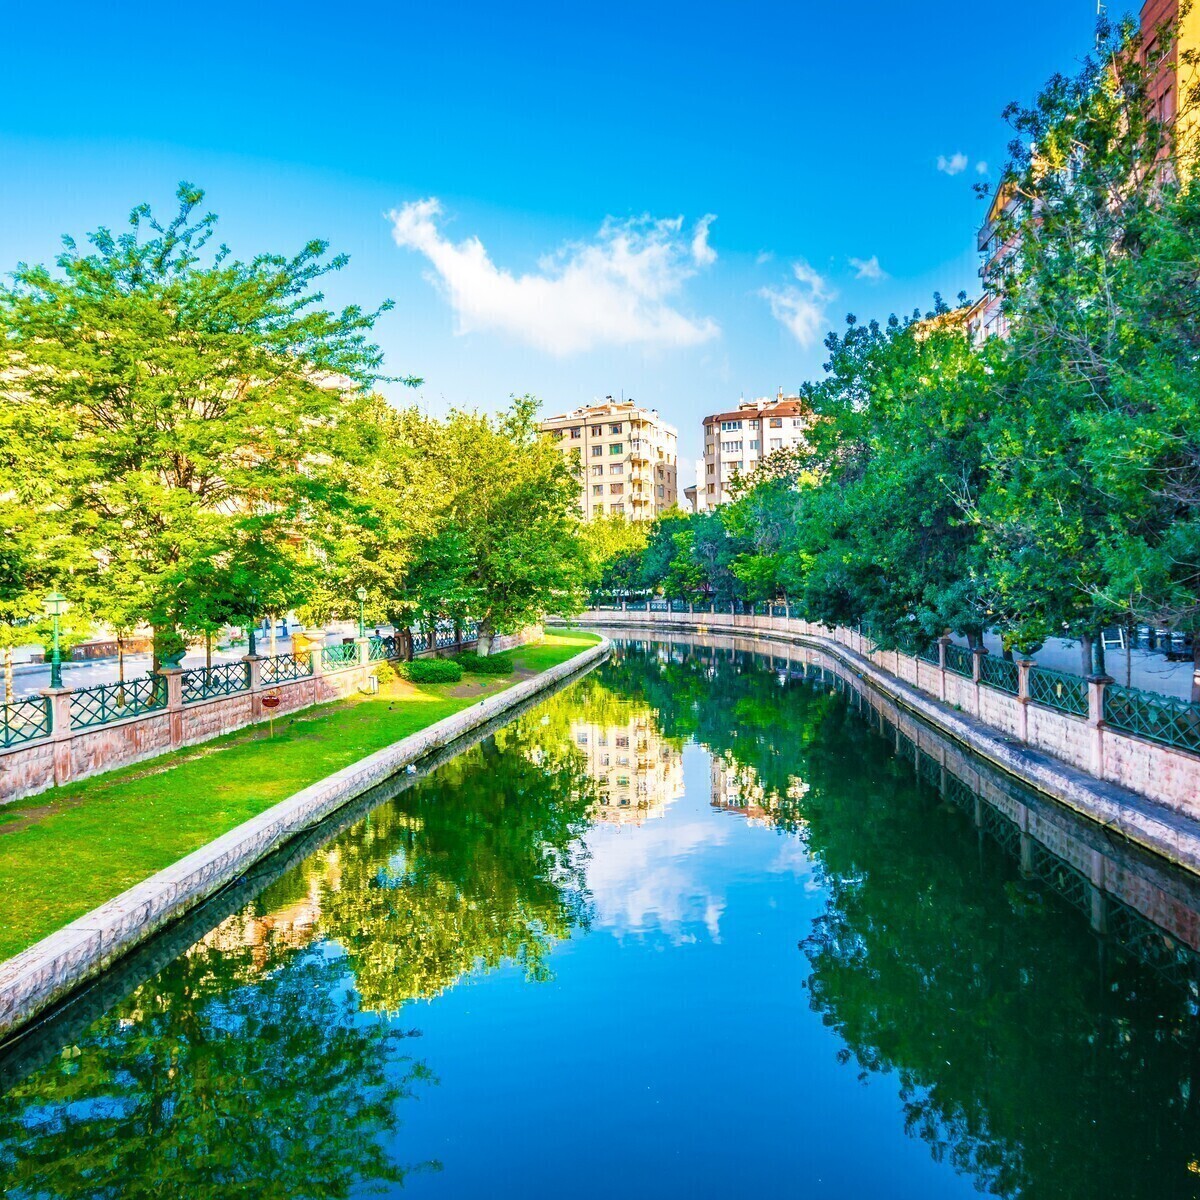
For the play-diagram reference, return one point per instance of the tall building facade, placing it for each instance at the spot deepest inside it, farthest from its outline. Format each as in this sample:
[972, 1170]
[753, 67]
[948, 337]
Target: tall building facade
[736, 442]
[626, 458]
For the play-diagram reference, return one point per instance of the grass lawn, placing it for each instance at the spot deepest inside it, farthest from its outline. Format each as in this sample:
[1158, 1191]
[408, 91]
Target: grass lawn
[67, 850]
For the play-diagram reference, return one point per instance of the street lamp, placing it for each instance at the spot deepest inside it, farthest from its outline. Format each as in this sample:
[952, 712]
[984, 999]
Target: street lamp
[54, 606]
[361, 593]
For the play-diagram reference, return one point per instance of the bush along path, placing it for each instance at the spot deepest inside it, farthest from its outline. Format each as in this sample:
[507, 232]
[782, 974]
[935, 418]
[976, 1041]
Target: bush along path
[64, 852]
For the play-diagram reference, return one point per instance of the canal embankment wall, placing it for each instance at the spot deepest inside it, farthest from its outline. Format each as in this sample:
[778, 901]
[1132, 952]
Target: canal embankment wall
[45, 973]
[1149, 793]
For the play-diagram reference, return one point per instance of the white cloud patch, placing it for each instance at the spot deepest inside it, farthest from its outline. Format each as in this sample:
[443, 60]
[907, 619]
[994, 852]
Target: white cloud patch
[868, 268]
[800, 307]
[956, 164]
[981, 168]
[619, 289]
[702, 253]
[764, 256]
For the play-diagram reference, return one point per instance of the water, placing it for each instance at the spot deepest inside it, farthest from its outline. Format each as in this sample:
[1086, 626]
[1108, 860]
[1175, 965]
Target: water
[696, 926]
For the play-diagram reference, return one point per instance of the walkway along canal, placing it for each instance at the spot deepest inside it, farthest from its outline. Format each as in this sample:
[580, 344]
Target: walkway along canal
[705, 923]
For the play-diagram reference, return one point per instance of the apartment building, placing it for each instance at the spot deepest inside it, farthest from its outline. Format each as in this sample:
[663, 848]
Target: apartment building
[626, 458]
[638, 772]
[736, 442]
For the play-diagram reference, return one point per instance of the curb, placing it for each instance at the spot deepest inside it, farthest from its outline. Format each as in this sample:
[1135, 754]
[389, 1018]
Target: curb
[49, 970]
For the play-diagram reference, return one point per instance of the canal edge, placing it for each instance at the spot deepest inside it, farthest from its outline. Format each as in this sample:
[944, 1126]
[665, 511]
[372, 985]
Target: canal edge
[47, 972]
[1164, 832]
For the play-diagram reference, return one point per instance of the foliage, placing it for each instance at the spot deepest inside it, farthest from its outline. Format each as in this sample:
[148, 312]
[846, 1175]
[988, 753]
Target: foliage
[430, 670]
[491, 664]
[385, 672]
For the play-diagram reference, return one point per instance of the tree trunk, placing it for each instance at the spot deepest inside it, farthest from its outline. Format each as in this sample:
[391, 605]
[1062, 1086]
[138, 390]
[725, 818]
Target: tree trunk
[120, 669]
[8, 675]
[486, 633]
[406, 644]
[208, 650]
[274, 623]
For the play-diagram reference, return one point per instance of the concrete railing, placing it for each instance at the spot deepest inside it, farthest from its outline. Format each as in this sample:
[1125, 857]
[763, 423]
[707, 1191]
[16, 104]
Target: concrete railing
[1162, 773]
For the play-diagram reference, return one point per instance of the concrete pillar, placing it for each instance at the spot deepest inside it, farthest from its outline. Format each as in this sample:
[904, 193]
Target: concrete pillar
[1024, 666]
[977, 654]
[60, 731]
[255, 662]
[174, 678]
[1096, 686]
[942, 642]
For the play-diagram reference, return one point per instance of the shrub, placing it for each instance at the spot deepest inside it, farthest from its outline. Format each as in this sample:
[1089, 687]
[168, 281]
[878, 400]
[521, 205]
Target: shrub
[385, 672]
[493, 664]
[430, 670]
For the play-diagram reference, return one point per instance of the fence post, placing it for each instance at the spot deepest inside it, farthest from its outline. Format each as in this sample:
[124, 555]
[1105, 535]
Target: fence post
[254, 663]
[977, 653]
[60, 731]
[174, 678]
[1024, 666]
[1096, 686]
[943, 642]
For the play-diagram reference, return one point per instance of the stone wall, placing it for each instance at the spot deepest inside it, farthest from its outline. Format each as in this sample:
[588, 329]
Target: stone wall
[1165, 775]
[68, 754]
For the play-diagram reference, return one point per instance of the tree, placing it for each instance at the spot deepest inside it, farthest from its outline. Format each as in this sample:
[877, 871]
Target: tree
[175, 405]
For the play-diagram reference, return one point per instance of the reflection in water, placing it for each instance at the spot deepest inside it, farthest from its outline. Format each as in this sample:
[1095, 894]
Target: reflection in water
[1025, 986]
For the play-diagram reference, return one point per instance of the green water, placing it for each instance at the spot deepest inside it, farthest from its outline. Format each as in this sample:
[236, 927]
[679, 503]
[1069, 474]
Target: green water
[697, 926]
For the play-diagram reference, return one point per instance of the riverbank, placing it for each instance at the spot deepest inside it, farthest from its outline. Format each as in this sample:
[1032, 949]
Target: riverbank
[63, 853]
[1165, 823]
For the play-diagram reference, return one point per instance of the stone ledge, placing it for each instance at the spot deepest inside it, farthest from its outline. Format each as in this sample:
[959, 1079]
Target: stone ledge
[48, 971]
[1163, 831]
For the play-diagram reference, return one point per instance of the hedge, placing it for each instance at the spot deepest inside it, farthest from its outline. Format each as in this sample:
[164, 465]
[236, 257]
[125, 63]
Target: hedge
[493, 664]
[430, 670]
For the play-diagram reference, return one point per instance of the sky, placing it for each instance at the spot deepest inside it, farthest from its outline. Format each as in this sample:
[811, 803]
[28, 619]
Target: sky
[668, 202]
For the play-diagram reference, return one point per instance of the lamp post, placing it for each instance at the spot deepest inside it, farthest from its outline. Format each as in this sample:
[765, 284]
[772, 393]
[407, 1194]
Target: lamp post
[54, 606]
[361, 593]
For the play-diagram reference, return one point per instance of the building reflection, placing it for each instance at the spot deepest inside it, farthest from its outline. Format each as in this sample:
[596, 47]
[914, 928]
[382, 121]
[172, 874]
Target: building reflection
[738, 788]
[638, 773]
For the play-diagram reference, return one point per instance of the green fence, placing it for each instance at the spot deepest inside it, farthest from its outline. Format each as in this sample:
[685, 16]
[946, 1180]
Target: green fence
[1056, 689]
[1160, 718]
[204, 683]
[380, 648]
[1000, 673]
[282, 668]
[959, 660]
[24, 720]
[107, 702]
[334, 658]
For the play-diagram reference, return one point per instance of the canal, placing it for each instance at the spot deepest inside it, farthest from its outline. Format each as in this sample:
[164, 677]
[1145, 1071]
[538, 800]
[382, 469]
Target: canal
[709, 922]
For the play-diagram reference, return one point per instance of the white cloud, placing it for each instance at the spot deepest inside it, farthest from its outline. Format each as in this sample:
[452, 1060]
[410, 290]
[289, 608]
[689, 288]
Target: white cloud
[702, 252]
[619, 289]
[801, 309]
[764, 256]
[981, 168]
[954, 165]
[868, 268]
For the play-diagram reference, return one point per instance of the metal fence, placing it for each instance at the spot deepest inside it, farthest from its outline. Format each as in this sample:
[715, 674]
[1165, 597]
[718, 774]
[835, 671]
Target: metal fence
[1000, 673]
[1056, 689]
[203, 683]
[931, 654]
[24, 721]
[379, 648]
[335, 657]
[281, 668]
[1160, 718]
[106, 702]
[959, 660]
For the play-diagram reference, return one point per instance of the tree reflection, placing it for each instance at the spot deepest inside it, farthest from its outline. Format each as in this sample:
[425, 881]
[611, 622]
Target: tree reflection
[478, 865]
[222, 1077]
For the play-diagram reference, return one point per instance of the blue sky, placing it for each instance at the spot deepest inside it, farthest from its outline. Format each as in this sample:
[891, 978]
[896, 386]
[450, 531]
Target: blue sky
[674, 201]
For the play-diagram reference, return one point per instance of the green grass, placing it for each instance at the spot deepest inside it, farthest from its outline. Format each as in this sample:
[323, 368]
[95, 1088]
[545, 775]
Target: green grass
[67, 850]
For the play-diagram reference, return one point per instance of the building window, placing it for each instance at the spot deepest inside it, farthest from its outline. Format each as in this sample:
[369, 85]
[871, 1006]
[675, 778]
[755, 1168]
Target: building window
[708, 447]
[708, 431]
[598, 470]
[616, 488]
[597, 451]
[731, 447]
[597, 489]
[614, 428]
[617, 469]
[618, 510]
[662, 491]
[576, 431]
[712, 487]
[796, 422]
[730, 426]
[753, 424]
[776, 422]
[597, 430]
[754, 444]
[777, 443]
[710, 468]
[616, 448]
